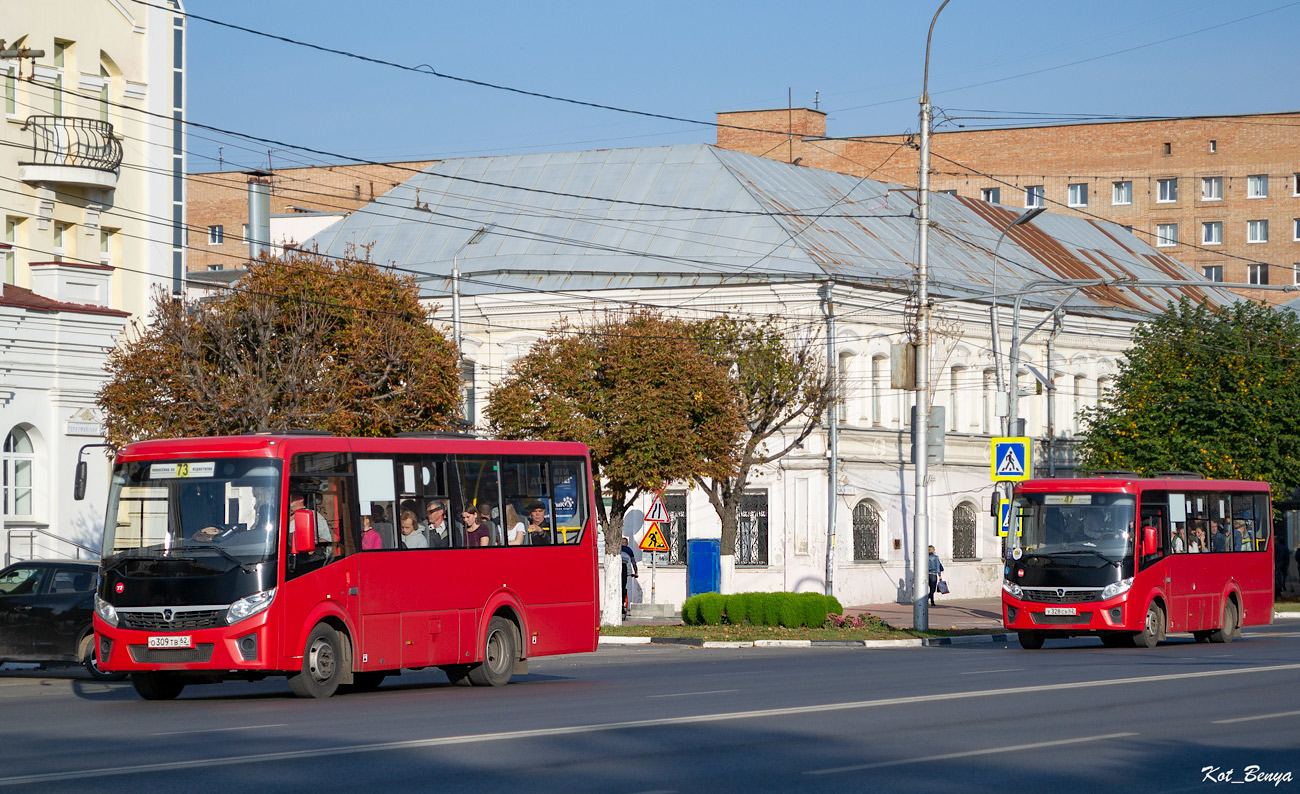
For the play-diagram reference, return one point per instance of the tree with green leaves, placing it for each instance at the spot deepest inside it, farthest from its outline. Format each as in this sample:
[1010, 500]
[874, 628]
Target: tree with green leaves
[641, 393]
[1211, 390]
[784, 392]
[301, 342]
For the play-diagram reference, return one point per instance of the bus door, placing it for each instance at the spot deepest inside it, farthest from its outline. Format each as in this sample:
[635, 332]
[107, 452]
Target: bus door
[1181, 565]
[407, 614]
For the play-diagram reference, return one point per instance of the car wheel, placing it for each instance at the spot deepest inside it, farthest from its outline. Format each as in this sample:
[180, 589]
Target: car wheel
[157, 686]
[86, 651]
[1151, 629]
[498, 655]
[321, 665]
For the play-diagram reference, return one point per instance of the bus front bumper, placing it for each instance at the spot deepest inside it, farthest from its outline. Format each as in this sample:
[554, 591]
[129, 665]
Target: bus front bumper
[245, 646]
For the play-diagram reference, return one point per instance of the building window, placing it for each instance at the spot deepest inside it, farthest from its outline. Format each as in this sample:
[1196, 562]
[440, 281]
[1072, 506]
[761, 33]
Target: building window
[1078, 196]
[1212, 272]
[1257, 273]
[751, 530]
[1166, 190]
[216, 267]
[1121, 192]
[674, 531]
[1256, 231]
[60, 54]
[60, 241]
[991, 195]
[879, 370]
[9, 72]
[866, 532]
[11, 257]
[1166, 235]
[467, 393]
[1169, 148]
[1212, 233]
[1295, 273]
[948, 192]
[964, 525]
[1257, 186]
[1295, 234]
[19, 463]
[1211, 188]
[106, 247]
[103, 94]
[1034, 195]
[1214, 146]
[216, 235]
[1295, 190]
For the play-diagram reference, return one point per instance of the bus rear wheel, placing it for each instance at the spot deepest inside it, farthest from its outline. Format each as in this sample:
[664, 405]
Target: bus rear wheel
[157, 686]
[498, 655]
[1152, 629]
[320, 673]
[1228, 630]
[1030, 640]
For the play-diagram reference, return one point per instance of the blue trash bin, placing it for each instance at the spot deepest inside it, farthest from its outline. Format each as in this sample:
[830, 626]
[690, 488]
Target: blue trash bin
[703, 566]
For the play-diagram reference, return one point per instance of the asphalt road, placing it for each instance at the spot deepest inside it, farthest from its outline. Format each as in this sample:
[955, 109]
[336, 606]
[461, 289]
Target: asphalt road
[1071, 717]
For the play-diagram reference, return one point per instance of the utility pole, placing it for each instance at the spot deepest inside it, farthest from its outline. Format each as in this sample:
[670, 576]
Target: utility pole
[921, 534]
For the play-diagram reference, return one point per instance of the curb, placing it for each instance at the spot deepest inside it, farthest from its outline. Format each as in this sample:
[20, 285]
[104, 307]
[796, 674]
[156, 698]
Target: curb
[1286, 615]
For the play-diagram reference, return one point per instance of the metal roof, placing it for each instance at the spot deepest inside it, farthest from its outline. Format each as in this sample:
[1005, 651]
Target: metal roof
[679, 216]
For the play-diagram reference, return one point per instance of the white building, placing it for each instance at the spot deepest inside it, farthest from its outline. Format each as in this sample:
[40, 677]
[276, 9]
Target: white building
[91, 222]
[699, 230]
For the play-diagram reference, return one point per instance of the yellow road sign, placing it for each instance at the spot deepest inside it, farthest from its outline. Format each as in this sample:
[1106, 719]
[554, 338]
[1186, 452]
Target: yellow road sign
[654, 539]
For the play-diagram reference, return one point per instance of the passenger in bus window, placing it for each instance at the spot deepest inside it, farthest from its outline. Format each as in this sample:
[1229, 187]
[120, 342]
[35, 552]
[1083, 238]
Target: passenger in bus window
[1196, 544]
[1243, 535]
[297, 501]
[478, 530]
[370, 537]
[1179, 544]
[538, 533]
[435, 525]
[516, 534]
[412, 536]
[1219, 540]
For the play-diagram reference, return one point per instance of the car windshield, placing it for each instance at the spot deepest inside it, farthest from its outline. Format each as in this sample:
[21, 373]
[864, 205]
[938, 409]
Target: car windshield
[1087, 528]
[223, 511]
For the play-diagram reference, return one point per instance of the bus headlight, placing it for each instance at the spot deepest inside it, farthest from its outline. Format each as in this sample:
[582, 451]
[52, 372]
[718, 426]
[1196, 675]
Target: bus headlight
[1012, 589]
[105, 611]
[1112, 590]
[249, 606]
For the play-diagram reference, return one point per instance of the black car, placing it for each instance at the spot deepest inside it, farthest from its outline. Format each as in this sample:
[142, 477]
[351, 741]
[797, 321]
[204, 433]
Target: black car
[45, 614]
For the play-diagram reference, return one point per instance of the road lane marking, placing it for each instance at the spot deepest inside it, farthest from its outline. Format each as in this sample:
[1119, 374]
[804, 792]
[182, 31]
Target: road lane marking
[572, 730]
[1259, 717]
[968, 754]
[684, 694]
[985, 672]
[219, 730]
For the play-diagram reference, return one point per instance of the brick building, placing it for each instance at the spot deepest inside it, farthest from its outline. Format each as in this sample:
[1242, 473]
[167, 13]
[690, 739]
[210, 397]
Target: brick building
[217, 211]
[1218, 193]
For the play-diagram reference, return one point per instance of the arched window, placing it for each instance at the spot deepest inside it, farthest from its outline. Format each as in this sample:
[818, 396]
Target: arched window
[964, 526]
[866, 531]
[19, 462]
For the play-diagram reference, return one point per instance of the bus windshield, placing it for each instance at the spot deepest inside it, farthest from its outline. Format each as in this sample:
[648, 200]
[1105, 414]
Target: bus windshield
[1096, 525]
[223, 511]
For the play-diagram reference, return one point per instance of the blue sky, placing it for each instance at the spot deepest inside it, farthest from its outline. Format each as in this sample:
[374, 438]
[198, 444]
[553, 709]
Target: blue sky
[692, 59]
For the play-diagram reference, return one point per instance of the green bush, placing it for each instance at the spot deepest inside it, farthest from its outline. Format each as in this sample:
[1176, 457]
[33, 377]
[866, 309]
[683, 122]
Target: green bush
[711, 608]
[737, 609]
[790, 610]
[691, 611]
[814, 608]
[755, 608]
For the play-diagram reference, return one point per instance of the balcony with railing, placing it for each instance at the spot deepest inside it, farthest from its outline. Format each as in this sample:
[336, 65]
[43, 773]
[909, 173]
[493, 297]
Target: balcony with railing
[71, 151]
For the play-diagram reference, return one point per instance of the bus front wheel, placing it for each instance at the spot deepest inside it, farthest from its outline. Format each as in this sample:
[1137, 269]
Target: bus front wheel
[498, 655]
[1229, 628]
[1152, 629]
[320, 673]
[157, 686]
[1030, 640]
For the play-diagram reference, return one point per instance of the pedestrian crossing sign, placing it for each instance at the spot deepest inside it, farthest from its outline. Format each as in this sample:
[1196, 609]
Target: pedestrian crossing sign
[1005, 517]
[1010, 459]
[654, 539]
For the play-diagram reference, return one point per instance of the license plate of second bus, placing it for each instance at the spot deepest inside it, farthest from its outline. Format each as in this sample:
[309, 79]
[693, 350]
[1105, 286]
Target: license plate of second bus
[174, 641]
[1060, 611]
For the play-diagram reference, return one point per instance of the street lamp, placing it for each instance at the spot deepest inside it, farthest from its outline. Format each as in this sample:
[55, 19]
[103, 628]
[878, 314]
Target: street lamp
[455, 288]
[1025, 217]
[921, 534]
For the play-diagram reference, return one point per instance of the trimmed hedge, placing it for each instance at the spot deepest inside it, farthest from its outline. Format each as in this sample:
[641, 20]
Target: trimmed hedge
[760, 609]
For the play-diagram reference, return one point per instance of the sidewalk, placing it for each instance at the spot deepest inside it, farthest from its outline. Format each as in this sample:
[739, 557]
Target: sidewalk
[950, 613]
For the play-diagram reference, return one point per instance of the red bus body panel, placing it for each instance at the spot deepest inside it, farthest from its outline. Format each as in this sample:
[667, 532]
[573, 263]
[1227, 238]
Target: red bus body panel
[1191, 589]
[398, 609]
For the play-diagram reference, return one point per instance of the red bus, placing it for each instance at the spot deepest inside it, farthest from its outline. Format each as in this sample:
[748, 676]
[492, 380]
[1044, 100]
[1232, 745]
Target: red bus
[340, 561]
[1130, 560]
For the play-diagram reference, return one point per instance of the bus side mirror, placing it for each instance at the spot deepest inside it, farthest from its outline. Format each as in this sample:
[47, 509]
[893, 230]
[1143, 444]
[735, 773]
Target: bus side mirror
[304, 531]
[1150, 541]
[79, 483]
